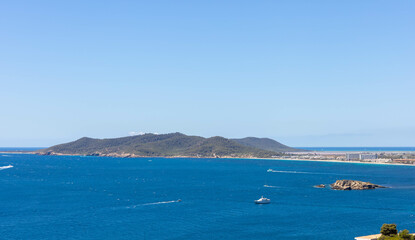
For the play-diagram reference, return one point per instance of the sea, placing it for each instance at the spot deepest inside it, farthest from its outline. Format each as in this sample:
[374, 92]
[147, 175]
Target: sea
[19, 149]
[73, 197]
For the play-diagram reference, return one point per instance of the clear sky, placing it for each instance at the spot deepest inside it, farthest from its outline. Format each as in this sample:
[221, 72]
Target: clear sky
[306, 73]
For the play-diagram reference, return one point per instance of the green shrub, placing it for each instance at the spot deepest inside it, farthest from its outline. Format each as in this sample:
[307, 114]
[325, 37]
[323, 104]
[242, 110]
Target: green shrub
[388, 230]
[395, 237]
[404, 234]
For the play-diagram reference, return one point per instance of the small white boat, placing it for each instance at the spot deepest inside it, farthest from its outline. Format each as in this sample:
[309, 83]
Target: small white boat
[270, 170]
[262, 200]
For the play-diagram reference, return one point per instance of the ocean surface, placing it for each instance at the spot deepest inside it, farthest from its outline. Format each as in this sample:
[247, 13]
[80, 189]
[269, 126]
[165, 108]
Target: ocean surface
[70, 197]
[18, 149]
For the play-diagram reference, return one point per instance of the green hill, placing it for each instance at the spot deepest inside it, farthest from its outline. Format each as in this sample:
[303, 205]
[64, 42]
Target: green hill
[159, 145]
[266, 144]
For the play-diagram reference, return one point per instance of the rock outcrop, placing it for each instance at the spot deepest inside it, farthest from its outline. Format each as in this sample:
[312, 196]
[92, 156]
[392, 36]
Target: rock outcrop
[320, 186]
[353, 185]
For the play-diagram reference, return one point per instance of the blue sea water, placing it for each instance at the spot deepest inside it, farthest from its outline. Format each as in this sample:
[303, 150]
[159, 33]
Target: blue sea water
[71, 197]
[18, 149]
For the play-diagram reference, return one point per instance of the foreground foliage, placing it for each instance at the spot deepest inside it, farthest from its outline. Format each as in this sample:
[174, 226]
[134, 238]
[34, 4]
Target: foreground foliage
[390, 232]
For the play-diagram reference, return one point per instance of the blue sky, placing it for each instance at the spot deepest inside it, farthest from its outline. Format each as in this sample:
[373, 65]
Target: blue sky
[306, 73]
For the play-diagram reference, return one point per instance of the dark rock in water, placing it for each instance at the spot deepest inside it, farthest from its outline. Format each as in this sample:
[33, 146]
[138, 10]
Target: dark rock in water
[45, 153]
[353, 185]
[93, 155]
[320, 186]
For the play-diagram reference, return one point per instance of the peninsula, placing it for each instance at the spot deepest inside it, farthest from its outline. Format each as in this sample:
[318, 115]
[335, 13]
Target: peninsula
[172, 145]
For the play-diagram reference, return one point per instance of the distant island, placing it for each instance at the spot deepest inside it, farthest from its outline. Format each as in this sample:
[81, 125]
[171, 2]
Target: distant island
[172, 145]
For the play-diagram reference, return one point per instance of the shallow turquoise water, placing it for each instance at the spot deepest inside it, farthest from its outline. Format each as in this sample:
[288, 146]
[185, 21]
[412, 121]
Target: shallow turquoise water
[68, 197]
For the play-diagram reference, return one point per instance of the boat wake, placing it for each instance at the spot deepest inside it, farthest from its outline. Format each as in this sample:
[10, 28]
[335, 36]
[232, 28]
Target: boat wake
[275, 171]
[154, 203]
[6, 167]
[318, 173]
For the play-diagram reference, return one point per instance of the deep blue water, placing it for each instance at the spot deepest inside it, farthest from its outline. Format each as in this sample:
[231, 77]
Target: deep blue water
[69, 197]
[361, 149]
[17, 149]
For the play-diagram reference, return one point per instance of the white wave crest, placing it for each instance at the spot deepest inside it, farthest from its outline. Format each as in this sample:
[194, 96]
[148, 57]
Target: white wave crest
[275, 171]
[6, 167]
[154, 203]
[318, 173]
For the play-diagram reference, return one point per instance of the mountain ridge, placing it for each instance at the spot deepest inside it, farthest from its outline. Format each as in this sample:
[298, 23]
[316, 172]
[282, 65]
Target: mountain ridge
[265, 144]
[166, 145]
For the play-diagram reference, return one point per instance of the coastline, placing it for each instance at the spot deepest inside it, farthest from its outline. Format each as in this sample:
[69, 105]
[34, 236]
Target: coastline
[339, 161]
[224, 157]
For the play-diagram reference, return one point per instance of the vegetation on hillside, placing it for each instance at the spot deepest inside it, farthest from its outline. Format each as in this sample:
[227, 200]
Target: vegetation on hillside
[266, 144]
[162, 145]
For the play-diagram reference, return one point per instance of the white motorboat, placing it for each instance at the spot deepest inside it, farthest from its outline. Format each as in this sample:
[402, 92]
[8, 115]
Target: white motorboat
[270, 170]
[262, 200]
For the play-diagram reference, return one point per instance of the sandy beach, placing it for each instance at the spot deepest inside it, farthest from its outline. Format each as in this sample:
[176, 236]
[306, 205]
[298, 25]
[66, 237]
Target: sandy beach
[229, 157]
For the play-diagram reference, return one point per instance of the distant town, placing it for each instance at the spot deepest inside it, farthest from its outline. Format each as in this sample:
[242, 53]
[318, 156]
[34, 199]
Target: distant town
[364, 157]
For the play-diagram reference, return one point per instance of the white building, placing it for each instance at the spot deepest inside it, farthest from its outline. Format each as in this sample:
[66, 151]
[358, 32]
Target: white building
[361, 157]
[352, 156]
[383, 160]
[368, 156]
